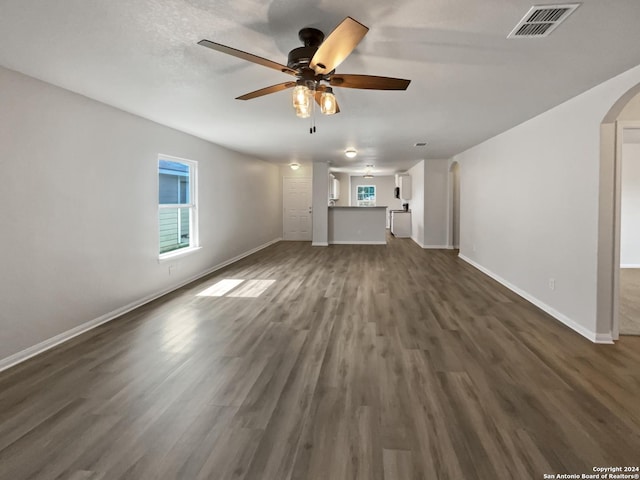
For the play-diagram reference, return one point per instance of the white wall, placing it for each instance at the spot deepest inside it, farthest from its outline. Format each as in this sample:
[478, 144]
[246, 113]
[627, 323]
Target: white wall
[79, 192]
[385, 185]
[320, 235]
[417, 202]
[430, 203]
[436, 199]
[530, 204]
[630, 206]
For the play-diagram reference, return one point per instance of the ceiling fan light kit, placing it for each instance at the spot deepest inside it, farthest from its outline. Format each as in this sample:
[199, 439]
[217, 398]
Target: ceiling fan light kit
[314, 66]
[328, 104]
[302, 101]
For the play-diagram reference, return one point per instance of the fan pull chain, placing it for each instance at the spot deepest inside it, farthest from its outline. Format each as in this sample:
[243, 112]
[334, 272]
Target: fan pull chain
[312, 119]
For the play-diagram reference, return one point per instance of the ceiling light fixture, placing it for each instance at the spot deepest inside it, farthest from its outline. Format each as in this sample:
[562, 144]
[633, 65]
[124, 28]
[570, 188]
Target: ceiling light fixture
[294, 166]
[350, 153]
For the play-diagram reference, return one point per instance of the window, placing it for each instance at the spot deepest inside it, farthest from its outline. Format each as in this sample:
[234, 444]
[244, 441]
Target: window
[366, 196]
[177, 214]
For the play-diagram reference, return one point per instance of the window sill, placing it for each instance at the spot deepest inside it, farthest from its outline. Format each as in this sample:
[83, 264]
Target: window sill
[165, 257]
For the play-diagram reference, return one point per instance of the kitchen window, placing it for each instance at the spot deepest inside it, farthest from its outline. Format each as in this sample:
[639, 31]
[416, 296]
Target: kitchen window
[177, 209]
[366, 196]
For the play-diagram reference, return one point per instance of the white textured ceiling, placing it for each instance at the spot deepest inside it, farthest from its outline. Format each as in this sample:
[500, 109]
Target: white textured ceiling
[468, 81]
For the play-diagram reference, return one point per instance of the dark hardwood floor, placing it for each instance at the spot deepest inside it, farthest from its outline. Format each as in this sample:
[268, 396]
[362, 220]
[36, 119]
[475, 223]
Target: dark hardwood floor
[358, 362]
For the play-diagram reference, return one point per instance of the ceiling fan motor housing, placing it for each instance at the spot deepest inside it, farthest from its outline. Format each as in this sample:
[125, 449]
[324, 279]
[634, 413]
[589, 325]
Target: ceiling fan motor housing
[300, 57]
[311, 37]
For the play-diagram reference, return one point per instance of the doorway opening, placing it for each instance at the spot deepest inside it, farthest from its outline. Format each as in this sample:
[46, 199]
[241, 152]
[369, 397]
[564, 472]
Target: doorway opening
[619, 226]
[629, 298]
[454, 205]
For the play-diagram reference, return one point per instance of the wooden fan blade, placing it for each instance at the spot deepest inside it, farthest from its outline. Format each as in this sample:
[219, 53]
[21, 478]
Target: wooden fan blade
[267, 90]
[246, 56]
[338, 45]
[369, 82]
[319, 95]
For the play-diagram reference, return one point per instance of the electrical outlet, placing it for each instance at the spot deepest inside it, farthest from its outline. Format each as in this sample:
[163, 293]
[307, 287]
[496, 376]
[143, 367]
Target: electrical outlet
[552, 284]
[171, 269]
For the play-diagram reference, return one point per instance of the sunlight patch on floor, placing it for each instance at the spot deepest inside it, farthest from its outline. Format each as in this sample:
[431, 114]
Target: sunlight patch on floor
[221, 288]
[179, 333]
[248, 289]
[252, 288]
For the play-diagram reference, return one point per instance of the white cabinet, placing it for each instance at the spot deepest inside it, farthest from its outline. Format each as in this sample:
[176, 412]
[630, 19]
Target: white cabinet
[334, 188]
[401, 223]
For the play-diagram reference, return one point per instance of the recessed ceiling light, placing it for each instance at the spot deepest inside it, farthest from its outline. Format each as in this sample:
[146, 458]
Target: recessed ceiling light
[294, 166]
[420, 144]
[350, 153]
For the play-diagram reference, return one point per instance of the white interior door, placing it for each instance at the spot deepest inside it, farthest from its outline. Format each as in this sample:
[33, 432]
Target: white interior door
[296, 205]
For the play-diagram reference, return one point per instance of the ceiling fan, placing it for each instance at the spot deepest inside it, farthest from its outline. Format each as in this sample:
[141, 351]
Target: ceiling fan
[314, 66]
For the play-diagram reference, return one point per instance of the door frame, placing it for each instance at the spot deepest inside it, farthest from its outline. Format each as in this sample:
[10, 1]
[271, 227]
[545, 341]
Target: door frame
[621, 125]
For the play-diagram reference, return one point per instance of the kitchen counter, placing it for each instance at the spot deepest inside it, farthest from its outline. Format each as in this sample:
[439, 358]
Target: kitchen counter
[357, 225]
[353, 206]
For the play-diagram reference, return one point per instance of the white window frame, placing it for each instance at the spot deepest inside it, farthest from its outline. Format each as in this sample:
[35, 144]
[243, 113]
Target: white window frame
[194, 240]
[366, 203]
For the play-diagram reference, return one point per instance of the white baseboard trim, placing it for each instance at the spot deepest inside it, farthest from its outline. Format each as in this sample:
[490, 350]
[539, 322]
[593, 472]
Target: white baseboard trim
[319, 244]
[431, 247]
[356, 242]
[606, 338]
[588, 334]
[630, 265]
[417, 242]
[48, 344]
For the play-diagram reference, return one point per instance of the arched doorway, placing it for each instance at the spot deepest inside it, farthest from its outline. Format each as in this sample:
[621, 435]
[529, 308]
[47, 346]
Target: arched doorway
[624, 114]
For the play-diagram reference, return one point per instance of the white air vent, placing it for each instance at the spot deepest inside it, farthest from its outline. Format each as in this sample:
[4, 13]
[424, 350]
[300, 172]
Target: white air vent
[541, 20]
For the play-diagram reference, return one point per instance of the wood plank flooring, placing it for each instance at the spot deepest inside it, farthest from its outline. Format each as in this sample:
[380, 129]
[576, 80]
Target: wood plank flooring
[357, 362]
[630, 301]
